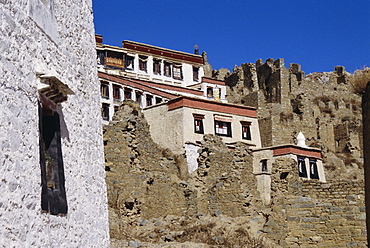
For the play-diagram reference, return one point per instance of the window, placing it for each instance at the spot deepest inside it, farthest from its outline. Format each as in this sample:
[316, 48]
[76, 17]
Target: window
[314, 174]
[157, 67]
[302, 167]
[195, 73]
[167, 69]
[264, 165]
[138, 97]
[246, 130]
[177, 71]
[223, 128]
[209, 92]
[198, 123]
[116, 108]
[116, 93]
[104, 89]
[149, 100]
[105, 111]
[129, 62]
[142, 63]
[53, 195]
[127, 93]
[114, 59]
[158, 100]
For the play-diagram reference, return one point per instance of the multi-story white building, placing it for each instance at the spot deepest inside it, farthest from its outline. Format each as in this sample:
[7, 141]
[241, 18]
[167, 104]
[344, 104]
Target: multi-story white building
[179, 101]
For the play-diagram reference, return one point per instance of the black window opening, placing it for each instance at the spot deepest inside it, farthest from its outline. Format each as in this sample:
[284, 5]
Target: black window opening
[129, 62]
[53, 194]
[246, 130]
[302, 167]
[167, 69]
[177, 71]
[157, 67]
[223, 128]
[149, 100]
[104, 89]
[158, 100]
[105, 111]
[143, 63]
[195, 73]
[264, 165]
[314, 173]
[127, 93]
[198, 123]
[116, 93]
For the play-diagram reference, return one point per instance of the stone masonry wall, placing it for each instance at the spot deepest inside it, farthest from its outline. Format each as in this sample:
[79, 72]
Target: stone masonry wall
[311, 213]
[52, 37]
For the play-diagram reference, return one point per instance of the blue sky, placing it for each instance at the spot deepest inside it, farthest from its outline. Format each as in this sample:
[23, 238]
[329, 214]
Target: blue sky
[318, 35]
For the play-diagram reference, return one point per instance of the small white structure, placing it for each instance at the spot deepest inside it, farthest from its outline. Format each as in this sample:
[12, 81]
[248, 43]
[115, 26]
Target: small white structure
[301, 140]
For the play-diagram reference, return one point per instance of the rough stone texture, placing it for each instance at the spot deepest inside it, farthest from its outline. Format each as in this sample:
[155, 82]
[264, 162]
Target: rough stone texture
[147, 182]
[320, 105]
[24, 50]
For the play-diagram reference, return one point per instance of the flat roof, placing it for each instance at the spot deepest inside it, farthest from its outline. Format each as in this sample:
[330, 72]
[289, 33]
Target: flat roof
[293, 149]
[162, 52]
[185, 101]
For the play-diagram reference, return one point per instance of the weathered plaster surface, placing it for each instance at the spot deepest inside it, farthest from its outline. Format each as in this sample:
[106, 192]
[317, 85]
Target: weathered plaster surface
[24, 50]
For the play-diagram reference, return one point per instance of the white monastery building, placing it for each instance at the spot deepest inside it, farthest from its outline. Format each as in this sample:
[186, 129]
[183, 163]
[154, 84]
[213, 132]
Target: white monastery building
[52, 179]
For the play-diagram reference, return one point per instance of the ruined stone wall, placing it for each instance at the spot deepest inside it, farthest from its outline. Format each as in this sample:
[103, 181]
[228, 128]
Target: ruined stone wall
[310, 213]
[320, 105]
[52, 37]
[146, 181]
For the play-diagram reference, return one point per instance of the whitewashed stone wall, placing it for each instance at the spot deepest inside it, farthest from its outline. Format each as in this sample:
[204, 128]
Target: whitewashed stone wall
[63, 44]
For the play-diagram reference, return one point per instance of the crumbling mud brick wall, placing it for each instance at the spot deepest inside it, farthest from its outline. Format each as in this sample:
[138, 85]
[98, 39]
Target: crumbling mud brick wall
[311, 213]
[145, 181]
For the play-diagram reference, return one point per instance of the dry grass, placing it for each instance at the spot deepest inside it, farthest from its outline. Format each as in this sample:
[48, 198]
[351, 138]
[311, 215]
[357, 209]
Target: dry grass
[359, 80]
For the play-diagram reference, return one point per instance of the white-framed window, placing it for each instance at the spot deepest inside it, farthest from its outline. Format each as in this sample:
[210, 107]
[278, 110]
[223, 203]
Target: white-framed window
[246, 130]
[302, 167]
[129, 62]
[177, 71]
[314, 173]
[198, 123]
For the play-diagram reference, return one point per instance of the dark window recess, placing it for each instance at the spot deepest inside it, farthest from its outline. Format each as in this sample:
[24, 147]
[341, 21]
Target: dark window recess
[100, 57]
[138, 97]
[157, 67]
[158, 100]
[246, 130]
[104, 89]
[314, 174]
[129, 62]
[209, 92]
[223, 128]
[198, 123]
[105, 111]
[264, 165]
[116, 109]
[53, 194]
[127, 93]
[149, 100]
[167, 69]
[116, 93]
[302, 167]
[177, 71]
[142, 63]
[195, 73]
